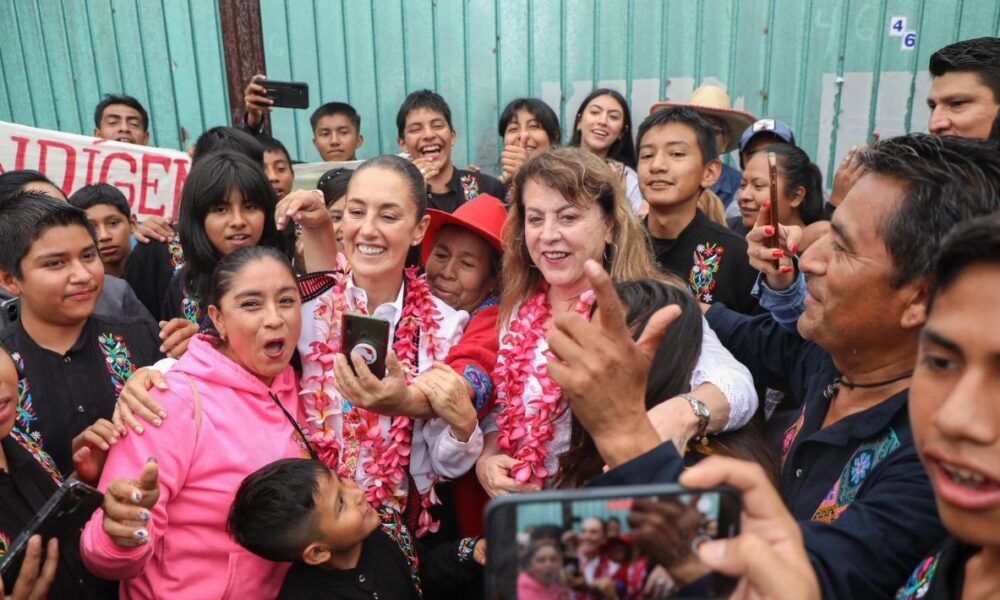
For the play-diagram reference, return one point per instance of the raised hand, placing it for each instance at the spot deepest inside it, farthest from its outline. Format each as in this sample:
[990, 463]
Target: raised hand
[128, 505]
[255, 102]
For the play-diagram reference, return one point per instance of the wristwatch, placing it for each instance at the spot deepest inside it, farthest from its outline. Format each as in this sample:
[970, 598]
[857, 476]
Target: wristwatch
[700, 411]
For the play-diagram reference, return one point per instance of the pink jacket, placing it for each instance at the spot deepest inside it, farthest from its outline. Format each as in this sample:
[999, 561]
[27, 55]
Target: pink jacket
[241, 429]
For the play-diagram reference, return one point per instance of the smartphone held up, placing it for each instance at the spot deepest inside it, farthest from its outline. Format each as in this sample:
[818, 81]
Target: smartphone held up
[629, 542]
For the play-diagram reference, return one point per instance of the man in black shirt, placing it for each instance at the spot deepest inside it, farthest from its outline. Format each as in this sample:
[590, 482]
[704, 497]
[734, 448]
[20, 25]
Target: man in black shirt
[677, 162]
[73, 362]
[426, 134]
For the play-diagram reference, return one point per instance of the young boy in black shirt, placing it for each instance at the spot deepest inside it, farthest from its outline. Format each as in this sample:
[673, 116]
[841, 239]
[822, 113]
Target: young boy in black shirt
[426, 134]
[677, 161]
[297, 510]
[108, 211]
[73, 362]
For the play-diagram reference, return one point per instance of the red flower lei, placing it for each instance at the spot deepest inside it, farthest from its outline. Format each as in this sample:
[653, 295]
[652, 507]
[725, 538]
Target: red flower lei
[389, 454]
[522, 436]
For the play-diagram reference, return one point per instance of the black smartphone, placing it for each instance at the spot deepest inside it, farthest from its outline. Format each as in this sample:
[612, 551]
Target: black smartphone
[526, 534]
[62, 517]
[368, 337]
[10, 309]
[287, 94]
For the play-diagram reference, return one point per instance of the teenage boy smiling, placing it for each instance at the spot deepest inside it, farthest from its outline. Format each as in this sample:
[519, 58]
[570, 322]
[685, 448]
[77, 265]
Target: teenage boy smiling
[677, 162]
[73, 363]
[426, 134]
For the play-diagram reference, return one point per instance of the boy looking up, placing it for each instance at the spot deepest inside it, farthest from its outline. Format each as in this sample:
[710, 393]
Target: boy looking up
[73, 363]
[426, 134]
[297, 510]
[109, 214]
[677, 161]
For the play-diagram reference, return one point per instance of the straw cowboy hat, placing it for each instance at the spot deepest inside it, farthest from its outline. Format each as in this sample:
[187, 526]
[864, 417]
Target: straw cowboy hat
[484, 215]
[713, 100]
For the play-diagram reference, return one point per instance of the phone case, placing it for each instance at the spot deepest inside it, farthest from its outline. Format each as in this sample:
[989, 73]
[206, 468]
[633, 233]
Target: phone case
[287, 94]
[367, 337]
[63, 515]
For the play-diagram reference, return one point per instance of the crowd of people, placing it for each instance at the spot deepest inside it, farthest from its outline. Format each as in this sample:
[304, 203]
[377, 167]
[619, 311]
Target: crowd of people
[616, 310]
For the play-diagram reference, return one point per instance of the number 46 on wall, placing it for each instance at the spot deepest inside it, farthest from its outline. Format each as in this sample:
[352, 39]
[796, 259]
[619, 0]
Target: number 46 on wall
[897, 28]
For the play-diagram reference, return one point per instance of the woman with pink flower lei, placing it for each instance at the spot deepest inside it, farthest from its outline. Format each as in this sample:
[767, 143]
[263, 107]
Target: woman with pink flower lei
[568, 207]
[395, 459]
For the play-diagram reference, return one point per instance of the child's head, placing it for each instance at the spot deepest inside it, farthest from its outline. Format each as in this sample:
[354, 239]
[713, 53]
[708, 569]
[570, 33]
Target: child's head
[543, 561]
[109, 213]
[298, 510]
[799, 185]
[277, 166]
[226, 204]
[49, 258]
[424, 127]
[227, 138]
[603, 125]
[677, 157]
[531, 124]
[336, 131]
[334, 184]
[27, 180]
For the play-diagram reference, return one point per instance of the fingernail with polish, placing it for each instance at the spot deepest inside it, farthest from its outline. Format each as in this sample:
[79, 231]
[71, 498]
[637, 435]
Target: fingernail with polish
[769, 230]
[136, 495]
[152, 459]
[157, 422]
[794, 248]
[138, 429]
[778, 254]
[141, 534]
[144, 516]
[786, 269]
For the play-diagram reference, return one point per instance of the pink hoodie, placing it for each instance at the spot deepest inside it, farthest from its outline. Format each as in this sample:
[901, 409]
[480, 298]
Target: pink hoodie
[190, 555]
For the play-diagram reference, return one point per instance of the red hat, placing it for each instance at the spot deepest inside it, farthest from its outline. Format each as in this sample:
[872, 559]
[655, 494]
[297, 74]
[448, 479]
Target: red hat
[484, 215]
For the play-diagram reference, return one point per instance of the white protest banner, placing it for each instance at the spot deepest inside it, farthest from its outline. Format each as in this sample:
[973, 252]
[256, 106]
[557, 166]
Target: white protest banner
[151, 178]
[307, 175]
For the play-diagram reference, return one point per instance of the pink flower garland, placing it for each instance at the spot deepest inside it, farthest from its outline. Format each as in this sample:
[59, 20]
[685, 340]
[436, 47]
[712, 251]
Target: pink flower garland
[522, 436]
[390, 454]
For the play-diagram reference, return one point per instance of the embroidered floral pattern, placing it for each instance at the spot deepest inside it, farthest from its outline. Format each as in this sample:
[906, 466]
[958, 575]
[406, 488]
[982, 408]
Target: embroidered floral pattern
[389, 452]
[919, 583]
[25, 418]
[481, 385]
[862, 462]
[466, 548]
[790, 434]
[41, 456]
[392, 525]
[470, 187]
[117, 359]
[707, 259]
[176, 254]
[191, 307]
[523, 436]
[4, 544]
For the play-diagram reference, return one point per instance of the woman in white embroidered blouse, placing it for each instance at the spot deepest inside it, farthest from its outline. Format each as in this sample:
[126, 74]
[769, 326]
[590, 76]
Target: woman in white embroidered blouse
[568, 207]
[384, 218]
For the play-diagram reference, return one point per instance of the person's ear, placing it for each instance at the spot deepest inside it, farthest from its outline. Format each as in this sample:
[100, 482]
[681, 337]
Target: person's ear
[9, 283]
[316, 554]
[133, 222]
[915, 306]
[144, 138]
[402, 144]
[454, 137]
[800, 195]
[361, 141]
[218, 320]
[420, 230]
[711, 173]
[97, 132]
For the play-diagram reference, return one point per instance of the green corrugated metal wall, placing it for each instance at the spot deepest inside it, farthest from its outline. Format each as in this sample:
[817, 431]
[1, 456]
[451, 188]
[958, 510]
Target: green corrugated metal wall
[59, 57]
[828, 68]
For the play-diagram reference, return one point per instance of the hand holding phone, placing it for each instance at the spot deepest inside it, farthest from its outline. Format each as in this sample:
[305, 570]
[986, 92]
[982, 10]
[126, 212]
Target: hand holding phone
[62, 516]
[368, 337]
[286, 94]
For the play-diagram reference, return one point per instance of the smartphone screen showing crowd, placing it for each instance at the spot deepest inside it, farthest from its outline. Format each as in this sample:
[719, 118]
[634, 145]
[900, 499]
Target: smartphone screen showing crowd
[559, 542]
